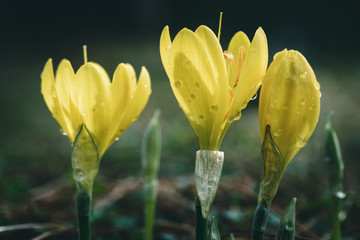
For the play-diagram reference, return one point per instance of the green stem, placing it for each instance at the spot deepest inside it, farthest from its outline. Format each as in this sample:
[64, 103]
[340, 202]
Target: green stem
[150, 204]
[200, 222]
[83, 210]
[336, 205]
[259, 223]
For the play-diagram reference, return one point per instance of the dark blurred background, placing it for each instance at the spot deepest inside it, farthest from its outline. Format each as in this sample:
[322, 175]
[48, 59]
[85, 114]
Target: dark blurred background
[35, 157]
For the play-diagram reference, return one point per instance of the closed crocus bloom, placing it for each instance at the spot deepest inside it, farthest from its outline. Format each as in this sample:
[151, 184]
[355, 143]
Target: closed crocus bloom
[88, 97]
[212, 86]
[289, 103]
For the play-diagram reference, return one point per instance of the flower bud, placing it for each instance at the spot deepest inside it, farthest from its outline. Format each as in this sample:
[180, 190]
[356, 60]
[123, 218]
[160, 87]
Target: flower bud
[289, 103]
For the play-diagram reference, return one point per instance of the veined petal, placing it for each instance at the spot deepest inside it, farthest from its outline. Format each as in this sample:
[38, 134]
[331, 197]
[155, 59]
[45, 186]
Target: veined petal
[121, 91]
[215, 54]
[90, 94]
[165, 45]
[223, 101]
[137, 102]
[50, 94]
[194, 83]
[48, 88]
[64, 79]
[238, 40]
[252, 72]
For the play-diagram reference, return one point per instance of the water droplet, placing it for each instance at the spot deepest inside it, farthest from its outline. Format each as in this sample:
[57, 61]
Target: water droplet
[238, 116]
[177, 84]
[146, 86]
[62, 132]
[214, 107]
[317, 85]
[79, 175]
[254, 97]
[117, 139]
[278, 133]
[341, 194]
[197, 84]
[284, 107]
[193, 96]
[303, 101]
[312, 107]
[168, 47]
[201, 117]
[303, 75]
[274, 103]
[301, 141]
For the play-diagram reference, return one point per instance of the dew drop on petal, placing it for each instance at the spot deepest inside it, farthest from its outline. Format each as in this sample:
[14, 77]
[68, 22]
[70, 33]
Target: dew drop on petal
[117, 139]
[254, 97]
[312, 107]
[62, 132]
[274, 103]
[278, 133]
[238, 116]
[303, 101]
[177, 84]
[303, 75]
[301, 141]
[214, 107]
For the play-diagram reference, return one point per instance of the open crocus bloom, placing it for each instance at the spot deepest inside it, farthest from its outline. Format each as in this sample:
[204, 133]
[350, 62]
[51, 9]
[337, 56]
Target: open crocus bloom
[88, 97]
[289, 103]
[212, 86]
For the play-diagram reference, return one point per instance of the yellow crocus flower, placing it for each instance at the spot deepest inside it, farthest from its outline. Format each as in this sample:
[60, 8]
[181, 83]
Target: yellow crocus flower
[88, 97]
[289, 103]
[212, 86]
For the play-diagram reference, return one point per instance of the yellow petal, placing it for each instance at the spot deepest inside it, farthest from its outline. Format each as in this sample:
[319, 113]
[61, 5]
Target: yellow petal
[238, 40]
[289, 102]
[252, 72]
[64, 79]
[90, 94]
[194, 83]
[215, 54]
[48, 88]
[165, 45]
[138, 100]
[121, 91]
[50, 94]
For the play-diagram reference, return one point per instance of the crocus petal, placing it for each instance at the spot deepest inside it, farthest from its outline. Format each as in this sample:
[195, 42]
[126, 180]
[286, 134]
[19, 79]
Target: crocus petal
[48, 85]
[165, 46]
[238, 40]
[121, 91]
[138, 101]
[64, 79]
[252, 72]
[194, 83]
[90, 94]
[48, 89]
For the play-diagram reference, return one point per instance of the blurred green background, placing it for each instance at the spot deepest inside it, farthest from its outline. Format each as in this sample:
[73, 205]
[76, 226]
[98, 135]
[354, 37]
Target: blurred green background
[35, 170]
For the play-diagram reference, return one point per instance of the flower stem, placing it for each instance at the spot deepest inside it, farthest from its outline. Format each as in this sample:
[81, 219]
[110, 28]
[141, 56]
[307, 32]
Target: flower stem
[200, 222]
[259, 223]
[84, 200]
